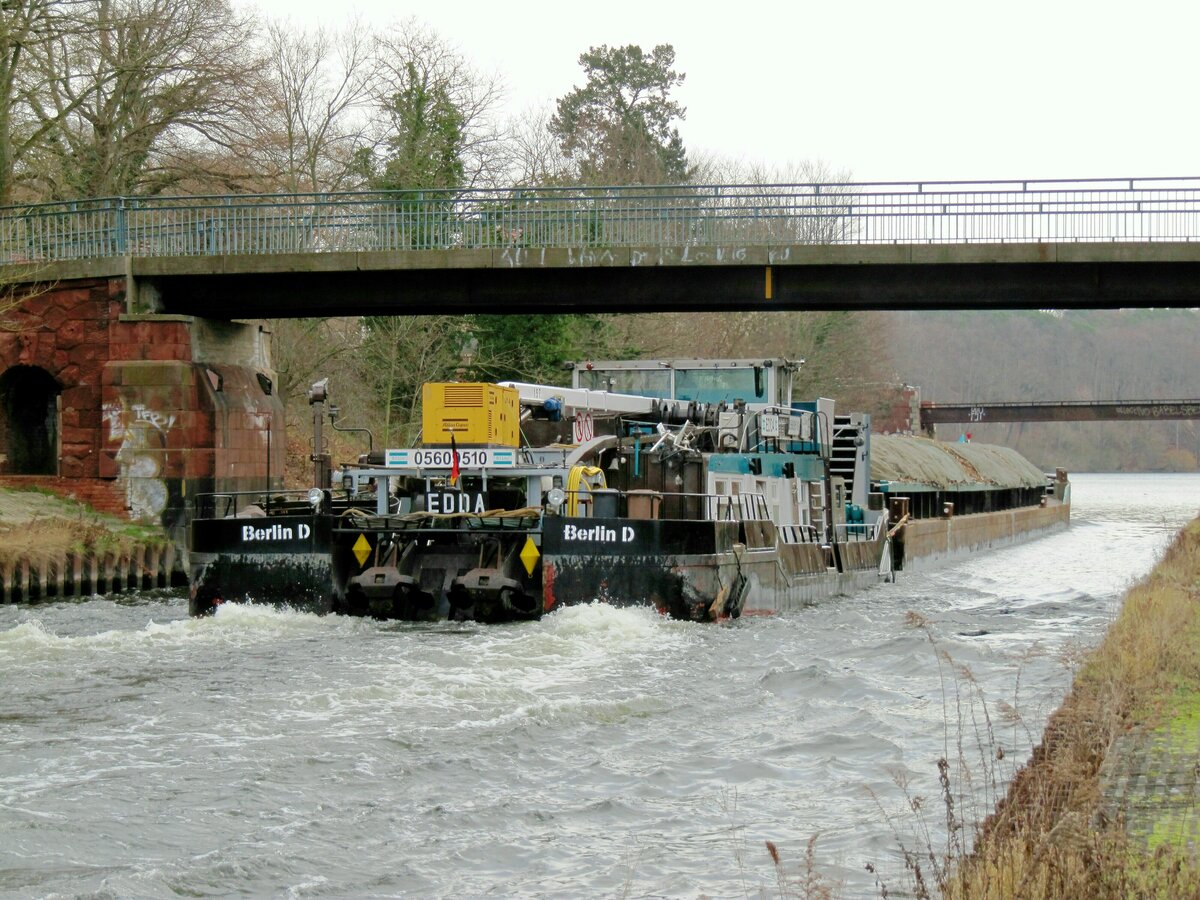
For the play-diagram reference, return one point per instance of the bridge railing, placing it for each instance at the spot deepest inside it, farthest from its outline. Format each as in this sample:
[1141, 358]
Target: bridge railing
[1154, 209]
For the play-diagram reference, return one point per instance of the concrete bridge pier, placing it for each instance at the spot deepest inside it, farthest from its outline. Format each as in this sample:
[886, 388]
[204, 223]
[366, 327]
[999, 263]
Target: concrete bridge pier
[135, 413]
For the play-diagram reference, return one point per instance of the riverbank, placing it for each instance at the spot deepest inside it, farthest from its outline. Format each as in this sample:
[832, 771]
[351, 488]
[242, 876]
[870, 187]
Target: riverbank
[56, 547]
[1106, 806]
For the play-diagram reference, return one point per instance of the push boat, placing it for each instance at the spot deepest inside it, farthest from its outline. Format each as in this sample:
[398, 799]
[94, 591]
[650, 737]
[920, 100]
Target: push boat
[697, 487]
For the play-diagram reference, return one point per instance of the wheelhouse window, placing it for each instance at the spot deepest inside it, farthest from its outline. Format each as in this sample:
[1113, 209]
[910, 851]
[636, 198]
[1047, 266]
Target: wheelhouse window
[640, 382]
[717, 385]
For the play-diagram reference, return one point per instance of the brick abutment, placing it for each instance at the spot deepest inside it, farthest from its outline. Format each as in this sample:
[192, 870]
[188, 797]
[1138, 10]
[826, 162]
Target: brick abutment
[134, 414]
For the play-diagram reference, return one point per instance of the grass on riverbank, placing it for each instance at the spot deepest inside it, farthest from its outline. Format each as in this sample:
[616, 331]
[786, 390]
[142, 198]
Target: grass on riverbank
[1051, 836]
[38, 525]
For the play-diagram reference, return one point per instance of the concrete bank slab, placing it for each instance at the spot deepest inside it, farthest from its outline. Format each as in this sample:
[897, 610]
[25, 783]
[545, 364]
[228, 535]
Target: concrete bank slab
[1151, 779]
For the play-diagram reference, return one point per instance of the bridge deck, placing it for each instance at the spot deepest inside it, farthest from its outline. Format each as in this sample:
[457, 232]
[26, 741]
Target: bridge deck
[1099, 244]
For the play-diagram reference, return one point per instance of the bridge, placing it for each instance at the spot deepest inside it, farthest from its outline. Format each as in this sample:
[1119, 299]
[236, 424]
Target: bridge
[138, 366]
[938, 245]
[933, 414]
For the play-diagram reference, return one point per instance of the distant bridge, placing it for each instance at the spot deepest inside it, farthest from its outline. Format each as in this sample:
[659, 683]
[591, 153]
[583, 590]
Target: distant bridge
[933, 414]
[933, 245]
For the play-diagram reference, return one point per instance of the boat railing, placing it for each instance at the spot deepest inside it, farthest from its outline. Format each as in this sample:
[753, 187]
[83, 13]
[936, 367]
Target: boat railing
[848, 532]
[737, 507]
[225, 504]
[638, 504]
[800, 534]
[646, 504]
[651, 504]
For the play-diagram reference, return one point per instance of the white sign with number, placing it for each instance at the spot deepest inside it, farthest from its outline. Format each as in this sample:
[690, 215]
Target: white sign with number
[443, 458]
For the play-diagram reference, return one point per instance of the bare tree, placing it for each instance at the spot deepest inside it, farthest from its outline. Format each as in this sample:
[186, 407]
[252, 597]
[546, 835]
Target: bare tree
[441, 113]
[124, 100]
[820, 208]
[26, 28]
[306, 350]
[401, 353]
[537, 158]
[20, 283]
[20, 23]
[315, 117]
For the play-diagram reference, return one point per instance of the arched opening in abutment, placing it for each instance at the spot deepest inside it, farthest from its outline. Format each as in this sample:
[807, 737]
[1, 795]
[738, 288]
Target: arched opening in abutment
[29, 421]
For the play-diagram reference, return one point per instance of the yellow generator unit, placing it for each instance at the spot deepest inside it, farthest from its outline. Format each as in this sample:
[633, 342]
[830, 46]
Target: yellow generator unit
[481, 415]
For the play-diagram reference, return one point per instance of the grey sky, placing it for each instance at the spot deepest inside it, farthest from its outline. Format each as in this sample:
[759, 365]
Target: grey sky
[886, 91]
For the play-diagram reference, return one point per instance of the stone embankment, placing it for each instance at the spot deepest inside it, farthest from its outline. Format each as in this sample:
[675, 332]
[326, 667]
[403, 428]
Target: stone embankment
[57, 547]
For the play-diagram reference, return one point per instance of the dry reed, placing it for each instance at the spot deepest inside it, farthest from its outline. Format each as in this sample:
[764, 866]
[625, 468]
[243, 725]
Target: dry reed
[1049, 837]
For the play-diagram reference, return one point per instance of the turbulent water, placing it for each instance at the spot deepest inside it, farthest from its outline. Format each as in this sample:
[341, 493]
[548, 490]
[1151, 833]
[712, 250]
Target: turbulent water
[598, 752]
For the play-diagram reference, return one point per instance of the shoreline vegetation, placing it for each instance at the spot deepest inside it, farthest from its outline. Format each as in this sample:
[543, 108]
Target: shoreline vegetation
[52, 547]
[1106, 804]
[36, 524]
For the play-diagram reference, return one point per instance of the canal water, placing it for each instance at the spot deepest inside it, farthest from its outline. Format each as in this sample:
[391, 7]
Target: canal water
[598, 752]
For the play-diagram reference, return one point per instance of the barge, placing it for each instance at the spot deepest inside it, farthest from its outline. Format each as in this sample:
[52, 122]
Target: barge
[960, 498]
[698, 487]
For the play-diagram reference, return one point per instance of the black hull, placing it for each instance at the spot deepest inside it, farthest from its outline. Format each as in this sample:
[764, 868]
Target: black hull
[279, 560]
[502, 571]
[301, 581]
[699, 570]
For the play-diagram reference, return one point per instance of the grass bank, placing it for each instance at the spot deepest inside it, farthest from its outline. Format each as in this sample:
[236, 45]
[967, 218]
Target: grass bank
[1106, 805]
[36, 525]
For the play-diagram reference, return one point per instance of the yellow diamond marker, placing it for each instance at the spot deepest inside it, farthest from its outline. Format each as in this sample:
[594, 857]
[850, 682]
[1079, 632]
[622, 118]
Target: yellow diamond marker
[362, 549]
[529, 555]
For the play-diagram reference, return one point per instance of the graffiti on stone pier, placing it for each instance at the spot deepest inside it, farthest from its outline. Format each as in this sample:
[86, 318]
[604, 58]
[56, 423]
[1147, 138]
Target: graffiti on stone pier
[140, 434]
